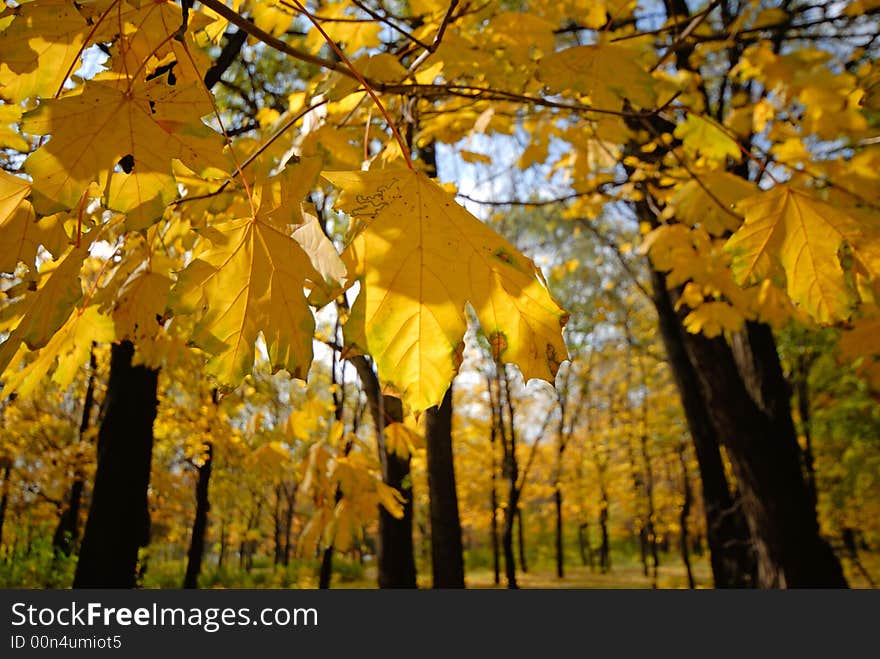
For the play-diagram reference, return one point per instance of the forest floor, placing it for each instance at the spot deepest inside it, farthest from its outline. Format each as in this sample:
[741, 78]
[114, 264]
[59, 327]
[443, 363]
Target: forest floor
[625, 574]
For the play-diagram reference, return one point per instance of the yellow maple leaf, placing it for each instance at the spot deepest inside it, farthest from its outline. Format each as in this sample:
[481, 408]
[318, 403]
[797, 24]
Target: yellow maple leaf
[40, 48]
[13, 190]
[10, 138]
[713, 318]
[22, 234]
[63, 355]
[709, 201]
[43, 311]
[607, 73]
[123, 135]
[420, 259]
[140, 302]
[703, 137]
[249, 280]
[804, 235]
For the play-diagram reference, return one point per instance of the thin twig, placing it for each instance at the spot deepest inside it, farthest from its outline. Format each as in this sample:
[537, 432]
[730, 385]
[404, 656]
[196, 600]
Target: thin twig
[404, 149]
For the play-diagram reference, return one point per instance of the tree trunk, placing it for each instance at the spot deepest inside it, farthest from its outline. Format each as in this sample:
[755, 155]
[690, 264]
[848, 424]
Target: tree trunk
[521, 540]
[119, 520]
[683, 517]
[200, 524]
[605, 543]
[507, 539]
[67, 531]
[288, 521]
[560, 561]
[749, 399]
[493, 505]
[586, 549]
[727, 533]
[447, 554]
[802, 395]
[4, 498]
[397, 566]
[395, 551]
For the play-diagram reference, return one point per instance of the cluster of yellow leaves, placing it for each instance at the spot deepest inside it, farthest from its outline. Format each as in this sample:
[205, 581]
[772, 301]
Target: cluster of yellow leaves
[124, 145]
[339, 521]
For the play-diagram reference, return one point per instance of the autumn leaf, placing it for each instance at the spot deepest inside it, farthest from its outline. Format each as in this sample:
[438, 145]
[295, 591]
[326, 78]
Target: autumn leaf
[421, 259]
[9, 136]
[124, 136]
[22, 234]
[804, 235]
[13, 190]
[39, 48]
[709, 201]
[63, 355]
[249, 280]
[43, 311]
[703, 137]
[607, 73]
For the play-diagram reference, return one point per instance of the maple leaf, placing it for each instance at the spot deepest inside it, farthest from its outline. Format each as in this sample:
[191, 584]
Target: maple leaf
[13, 190]
[140, 303]
[39, 48]
[420, 259]
[804, 235]
[63, 355]
[43, 311]
[250, 280]
[702, 136]
[709, 201]
[712, 318]
[22, 234]
[607, 73]
[124, 137]
[9, 136]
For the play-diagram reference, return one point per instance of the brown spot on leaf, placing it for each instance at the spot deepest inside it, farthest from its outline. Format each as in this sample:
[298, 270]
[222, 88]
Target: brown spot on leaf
[498, 344]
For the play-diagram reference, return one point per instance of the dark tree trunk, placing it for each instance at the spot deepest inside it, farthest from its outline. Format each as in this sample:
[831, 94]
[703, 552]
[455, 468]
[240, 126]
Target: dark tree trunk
[802, 395]
[560, 560]
[395, 551]
[605, 542]
[200, 524]
[119, 520]
[447, 554]
[509, 469]
[507, 539]
[584, 545]
[326, 574]
[521, 540]
[4, 498]
[650, 530]
[683, 517]
[749, 399]
[493, 506]
[397, 566]
[288, 521]
[727, 533]
[67, 531]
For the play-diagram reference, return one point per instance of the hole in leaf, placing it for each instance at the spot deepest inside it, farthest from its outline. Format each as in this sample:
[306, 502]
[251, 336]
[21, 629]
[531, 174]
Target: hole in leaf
[162, 70]
[126, 164]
